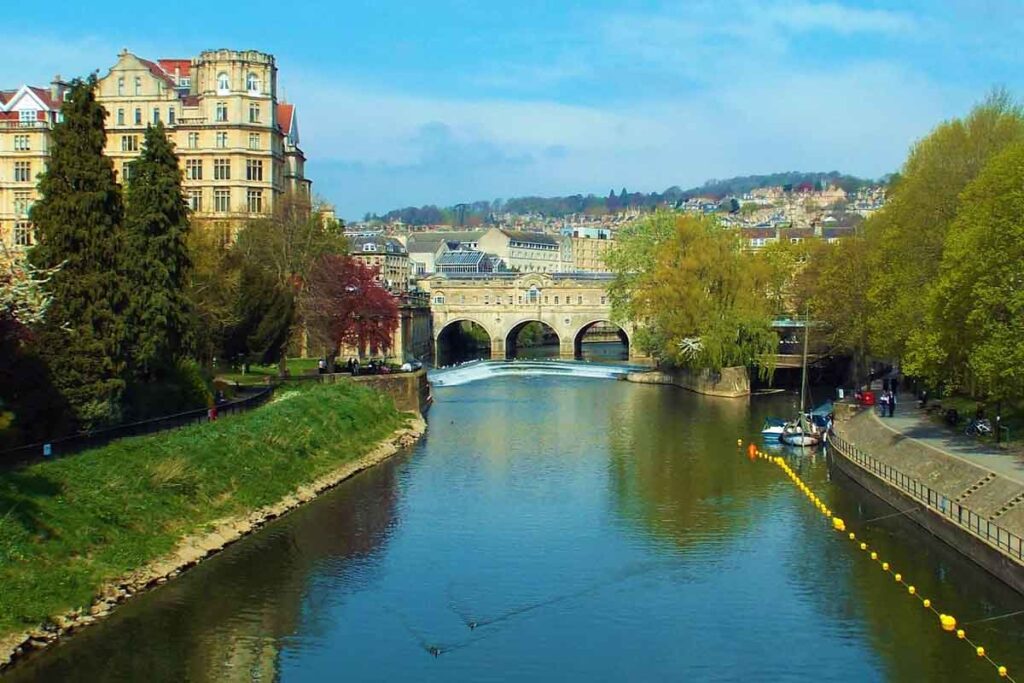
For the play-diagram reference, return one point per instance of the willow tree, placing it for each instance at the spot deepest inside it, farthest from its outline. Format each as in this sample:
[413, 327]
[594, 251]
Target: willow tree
[79, 221]
[697, 300]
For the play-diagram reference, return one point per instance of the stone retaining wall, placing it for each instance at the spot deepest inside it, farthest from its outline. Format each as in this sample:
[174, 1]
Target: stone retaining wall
[728, 383]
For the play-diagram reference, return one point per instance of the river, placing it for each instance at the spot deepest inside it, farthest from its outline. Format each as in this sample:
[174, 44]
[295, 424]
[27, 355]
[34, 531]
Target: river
[563, 528]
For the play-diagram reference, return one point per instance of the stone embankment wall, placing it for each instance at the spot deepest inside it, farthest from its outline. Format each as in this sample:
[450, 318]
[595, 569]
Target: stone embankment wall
[969, 501]
[728, 383]
[409, 390]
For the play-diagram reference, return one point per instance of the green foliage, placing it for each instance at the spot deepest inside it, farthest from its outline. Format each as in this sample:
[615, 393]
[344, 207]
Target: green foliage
[907, 238]
[697, 300]
[975, 332]
[79, 221]
[69, 525]
[183, 387]
[156, 261]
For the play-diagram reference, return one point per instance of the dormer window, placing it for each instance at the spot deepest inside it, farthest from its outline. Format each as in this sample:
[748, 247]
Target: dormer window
[369, 246]
[27, 115]
[223, 84]
[252, 84]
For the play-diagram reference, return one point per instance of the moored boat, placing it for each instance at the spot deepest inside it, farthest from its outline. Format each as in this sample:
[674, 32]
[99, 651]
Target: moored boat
[772, 428]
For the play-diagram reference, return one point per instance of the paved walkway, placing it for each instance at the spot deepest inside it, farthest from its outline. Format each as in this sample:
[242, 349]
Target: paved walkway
[913, 423]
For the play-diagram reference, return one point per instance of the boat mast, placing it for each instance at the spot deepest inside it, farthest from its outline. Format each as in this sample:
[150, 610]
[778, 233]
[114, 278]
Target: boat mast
[803, 376]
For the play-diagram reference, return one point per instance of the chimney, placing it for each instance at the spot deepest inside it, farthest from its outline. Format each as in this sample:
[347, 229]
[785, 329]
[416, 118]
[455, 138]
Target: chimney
[177, 74]
[56, 89]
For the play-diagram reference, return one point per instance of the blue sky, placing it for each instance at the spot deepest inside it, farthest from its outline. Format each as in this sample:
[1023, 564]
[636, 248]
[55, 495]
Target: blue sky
[438, 102]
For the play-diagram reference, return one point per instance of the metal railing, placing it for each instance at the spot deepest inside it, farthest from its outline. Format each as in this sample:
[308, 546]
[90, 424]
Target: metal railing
[67, 445]
[983, 528]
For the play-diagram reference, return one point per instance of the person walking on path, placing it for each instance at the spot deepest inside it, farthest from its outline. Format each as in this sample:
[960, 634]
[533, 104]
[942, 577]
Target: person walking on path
[892, 401]
[883, 403]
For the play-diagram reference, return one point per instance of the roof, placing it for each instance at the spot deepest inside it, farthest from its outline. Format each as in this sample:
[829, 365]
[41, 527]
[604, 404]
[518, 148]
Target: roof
[157, 71]
[429, 242]
[757, 233]
[466, 257]
[285, 115]
[184, 66]
[6, 95]
[838, 231]
[42, 94]
[387, 245]
[531, 237]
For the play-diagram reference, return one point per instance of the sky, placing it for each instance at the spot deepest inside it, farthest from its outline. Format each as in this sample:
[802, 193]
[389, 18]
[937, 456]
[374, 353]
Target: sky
[440, 102]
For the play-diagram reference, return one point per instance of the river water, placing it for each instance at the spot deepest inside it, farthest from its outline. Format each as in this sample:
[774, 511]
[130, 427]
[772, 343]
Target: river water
[567, 529]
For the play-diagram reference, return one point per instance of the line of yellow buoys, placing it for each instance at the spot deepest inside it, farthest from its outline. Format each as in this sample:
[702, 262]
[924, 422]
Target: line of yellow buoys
[946, 621]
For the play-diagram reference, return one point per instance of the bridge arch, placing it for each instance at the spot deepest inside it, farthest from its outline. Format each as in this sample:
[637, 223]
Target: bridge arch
[513, 330]
[581, 332]
[451, 341]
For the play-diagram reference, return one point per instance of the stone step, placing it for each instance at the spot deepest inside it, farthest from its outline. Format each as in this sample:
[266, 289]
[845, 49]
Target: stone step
[1007, 507]
[974, 487]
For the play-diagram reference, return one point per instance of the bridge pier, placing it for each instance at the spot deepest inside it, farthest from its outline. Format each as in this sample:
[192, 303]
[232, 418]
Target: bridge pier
[566, 349]
[497, 349]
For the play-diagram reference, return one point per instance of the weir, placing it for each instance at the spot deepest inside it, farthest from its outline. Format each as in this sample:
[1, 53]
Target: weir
[482, 370]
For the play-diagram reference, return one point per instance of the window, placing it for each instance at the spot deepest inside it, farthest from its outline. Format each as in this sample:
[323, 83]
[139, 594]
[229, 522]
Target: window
[532, 296]
[22, 203]
[126, 171]
[21, 143]
[222, 200]
[223, 84]
[28, 115]
[193, 169]
[604, 300]
[138, 116]
[170, 115]
[156, 116]
[193, 140]
[120, 85]
[222, 169]
[556, 300]
[129, 143]
[254, 169]
[369, 246]
[22, 171]
[222, 140]
[439, 299]
[254, 113]
[254, 140]
[579, 300]
[222, 112]
[23, 234]
[252, 83]
[138, 85]
[120, 117]
[255, 198]
[195, 200]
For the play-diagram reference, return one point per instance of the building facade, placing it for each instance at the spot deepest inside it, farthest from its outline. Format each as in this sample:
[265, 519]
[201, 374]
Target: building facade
[388, 256]
[27, 117]
[237, 143]
[529, 252]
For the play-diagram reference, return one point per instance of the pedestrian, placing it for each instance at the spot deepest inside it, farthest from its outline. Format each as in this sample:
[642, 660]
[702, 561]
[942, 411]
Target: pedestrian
[892, 402]
[321, 366]
[883, 403]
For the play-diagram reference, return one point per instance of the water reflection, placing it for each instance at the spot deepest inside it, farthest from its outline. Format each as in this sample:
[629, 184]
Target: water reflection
[558, 528]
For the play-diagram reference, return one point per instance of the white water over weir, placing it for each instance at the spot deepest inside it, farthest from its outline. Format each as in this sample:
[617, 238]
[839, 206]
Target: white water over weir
[481, 370]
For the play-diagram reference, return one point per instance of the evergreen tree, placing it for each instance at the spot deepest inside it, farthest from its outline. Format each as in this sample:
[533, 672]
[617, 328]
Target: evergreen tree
[79, 221]
[156, 261]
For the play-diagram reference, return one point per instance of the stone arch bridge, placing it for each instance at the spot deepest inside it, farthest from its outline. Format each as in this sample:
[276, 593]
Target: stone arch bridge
[503, 303]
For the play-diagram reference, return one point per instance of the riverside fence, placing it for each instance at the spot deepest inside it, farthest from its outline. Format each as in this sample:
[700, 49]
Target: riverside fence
[24, 455]
[983, 528]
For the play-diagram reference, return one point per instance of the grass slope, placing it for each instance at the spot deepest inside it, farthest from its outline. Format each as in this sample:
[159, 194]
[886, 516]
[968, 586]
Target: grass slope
[69, 525]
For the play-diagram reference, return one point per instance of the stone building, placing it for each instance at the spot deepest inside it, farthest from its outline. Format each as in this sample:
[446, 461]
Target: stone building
[237, 143]
[529, 252]
[387, 255]
[27, 116]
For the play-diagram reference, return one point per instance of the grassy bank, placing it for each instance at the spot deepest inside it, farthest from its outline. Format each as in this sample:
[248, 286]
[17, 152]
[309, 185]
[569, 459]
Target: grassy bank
[70, 525]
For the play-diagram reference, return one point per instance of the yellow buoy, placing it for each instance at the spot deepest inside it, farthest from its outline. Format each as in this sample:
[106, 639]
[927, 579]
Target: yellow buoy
[874, 555]
[948, 622]
[863, 546]
[980, 651]
[838, 524]
[926, 602]
[960, 634]
[885, 566]
[853, 536]
[911, 590]
[1002, 671]
[739, 442]
[898, 577]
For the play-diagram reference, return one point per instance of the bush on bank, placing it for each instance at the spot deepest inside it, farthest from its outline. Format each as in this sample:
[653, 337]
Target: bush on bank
[68, 526]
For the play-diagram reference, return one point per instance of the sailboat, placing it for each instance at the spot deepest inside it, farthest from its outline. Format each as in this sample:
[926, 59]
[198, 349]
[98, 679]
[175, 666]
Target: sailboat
[802, 431]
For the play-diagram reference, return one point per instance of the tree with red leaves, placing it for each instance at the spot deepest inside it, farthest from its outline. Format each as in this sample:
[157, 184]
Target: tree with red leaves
[342, 304]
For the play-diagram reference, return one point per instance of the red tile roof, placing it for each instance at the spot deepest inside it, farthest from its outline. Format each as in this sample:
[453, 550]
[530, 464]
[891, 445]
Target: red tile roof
[184, 66]
[6, 95]
[158, 72]
[44, 96]
[285, 112]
